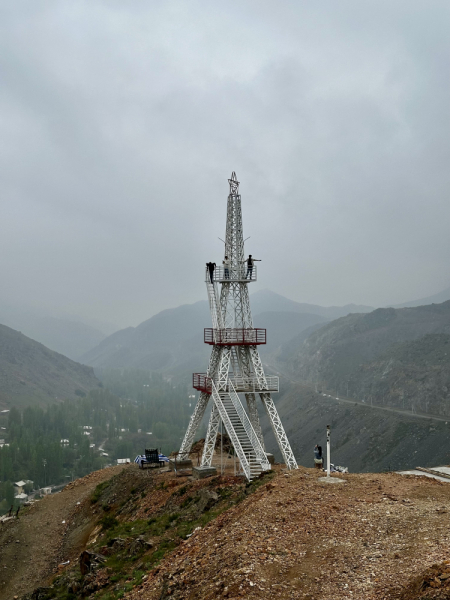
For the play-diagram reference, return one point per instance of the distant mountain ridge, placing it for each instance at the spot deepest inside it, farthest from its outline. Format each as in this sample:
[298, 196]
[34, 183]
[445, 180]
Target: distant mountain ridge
[31, 373]
[265, 300]
[61, 334]
[173, 339]
[435, 299]
[391, 356]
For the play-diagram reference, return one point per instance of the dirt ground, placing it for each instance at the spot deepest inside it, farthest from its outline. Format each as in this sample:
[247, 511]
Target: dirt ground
[367, 538]
[32, 546]
[371, 537]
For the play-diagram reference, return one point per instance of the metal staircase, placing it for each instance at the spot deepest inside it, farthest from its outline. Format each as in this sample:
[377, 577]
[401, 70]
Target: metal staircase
[214, 305]
[248, 448]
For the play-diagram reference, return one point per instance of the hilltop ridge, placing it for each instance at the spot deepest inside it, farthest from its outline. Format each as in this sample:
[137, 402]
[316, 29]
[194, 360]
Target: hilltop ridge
[287, 535]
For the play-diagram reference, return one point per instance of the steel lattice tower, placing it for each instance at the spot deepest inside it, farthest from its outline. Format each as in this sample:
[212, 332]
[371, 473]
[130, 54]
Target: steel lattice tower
[235, 365]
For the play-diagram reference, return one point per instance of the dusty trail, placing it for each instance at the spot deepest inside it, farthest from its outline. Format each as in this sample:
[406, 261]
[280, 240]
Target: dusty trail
[32, 546]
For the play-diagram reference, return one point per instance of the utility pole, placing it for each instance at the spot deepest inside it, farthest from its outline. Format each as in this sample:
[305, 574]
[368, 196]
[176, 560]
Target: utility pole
[44, 462]
[328, 450]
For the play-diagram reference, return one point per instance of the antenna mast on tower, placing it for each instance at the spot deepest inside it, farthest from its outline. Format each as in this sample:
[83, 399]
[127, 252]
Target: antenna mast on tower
[235, 365]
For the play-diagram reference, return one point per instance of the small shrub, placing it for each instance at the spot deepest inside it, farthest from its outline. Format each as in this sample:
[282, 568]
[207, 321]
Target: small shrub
[108, 522]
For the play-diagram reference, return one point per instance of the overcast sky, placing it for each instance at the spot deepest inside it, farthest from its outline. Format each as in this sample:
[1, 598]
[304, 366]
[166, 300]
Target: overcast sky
[121, 121]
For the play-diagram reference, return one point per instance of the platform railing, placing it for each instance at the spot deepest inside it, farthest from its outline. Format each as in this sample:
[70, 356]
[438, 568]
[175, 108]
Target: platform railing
[202, 383]
[222, 274]
[251, 384]
[234, 337]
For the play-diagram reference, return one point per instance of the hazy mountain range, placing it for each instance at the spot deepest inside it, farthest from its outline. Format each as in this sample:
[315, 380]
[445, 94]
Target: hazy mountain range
[65, 334]
[76, 337]
[174, 338]
[435, 299]
[31, 373]
[395, 357]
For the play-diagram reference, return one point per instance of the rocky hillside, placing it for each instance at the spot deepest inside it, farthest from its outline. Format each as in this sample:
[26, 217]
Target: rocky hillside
[31, 373]
[365, 438]
[394, 357]
[154, 536]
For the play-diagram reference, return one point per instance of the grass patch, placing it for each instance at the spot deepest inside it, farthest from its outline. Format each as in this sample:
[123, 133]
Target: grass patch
[99, 491]
[108, 522]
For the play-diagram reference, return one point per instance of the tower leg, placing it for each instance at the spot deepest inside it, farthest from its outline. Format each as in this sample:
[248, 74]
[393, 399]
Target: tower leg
[200, 407]
[278, 430]
[211, 436]
[194, 423]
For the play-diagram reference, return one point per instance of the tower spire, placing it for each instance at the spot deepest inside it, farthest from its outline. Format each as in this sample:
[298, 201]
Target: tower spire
[234, 184]
[235, 366]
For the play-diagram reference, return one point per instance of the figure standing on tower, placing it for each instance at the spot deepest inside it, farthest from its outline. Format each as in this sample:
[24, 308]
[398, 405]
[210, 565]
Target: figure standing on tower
[226, 265]
[250, 262]
[211, 266]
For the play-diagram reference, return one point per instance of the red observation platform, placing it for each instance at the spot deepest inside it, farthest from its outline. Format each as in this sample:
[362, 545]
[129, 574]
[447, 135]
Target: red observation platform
[234, 337]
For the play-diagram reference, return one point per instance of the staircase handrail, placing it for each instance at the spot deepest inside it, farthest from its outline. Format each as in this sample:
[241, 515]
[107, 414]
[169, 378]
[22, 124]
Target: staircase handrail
[231, 432]
[254, 440]
[214, 307]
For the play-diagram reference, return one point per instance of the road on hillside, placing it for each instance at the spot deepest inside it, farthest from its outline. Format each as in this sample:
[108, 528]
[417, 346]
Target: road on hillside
[398, 411]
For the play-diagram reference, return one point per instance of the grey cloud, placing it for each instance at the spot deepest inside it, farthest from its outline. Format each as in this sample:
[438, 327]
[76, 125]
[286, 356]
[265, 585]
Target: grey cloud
[121, 122]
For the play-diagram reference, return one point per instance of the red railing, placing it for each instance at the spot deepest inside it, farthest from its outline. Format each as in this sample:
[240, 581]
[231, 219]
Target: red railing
[235, 337]
[201, 383]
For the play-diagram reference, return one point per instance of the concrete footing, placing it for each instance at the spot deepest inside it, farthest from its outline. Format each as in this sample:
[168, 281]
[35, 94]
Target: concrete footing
[180, 464]
[331, 480]
[270, 458]
[203, 472]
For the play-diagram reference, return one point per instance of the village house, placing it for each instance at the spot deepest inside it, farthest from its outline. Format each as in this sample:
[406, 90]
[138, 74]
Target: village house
[18, 486]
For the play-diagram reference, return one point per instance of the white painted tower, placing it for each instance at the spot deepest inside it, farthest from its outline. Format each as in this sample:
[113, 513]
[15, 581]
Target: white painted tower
[235, 366]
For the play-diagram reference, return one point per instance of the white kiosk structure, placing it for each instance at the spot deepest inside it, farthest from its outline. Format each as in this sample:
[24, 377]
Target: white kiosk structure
[235, 365]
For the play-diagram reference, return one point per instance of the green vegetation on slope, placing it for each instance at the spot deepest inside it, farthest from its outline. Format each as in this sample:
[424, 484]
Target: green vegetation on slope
[152, 413]
[136, 535]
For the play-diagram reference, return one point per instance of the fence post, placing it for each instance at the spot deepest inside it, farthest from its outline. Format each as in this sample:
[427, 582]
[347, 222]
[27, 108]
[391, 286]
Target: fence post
[328, 450]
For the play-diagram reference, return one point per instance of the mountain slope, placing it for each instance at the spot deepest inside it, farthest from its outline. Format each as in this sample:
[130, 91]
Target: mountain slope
[161, 342]
[435, 299]
[66, 336]
[282, 326]
[172, 340]
[390, 356]
[266, 300]
[30, 372]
